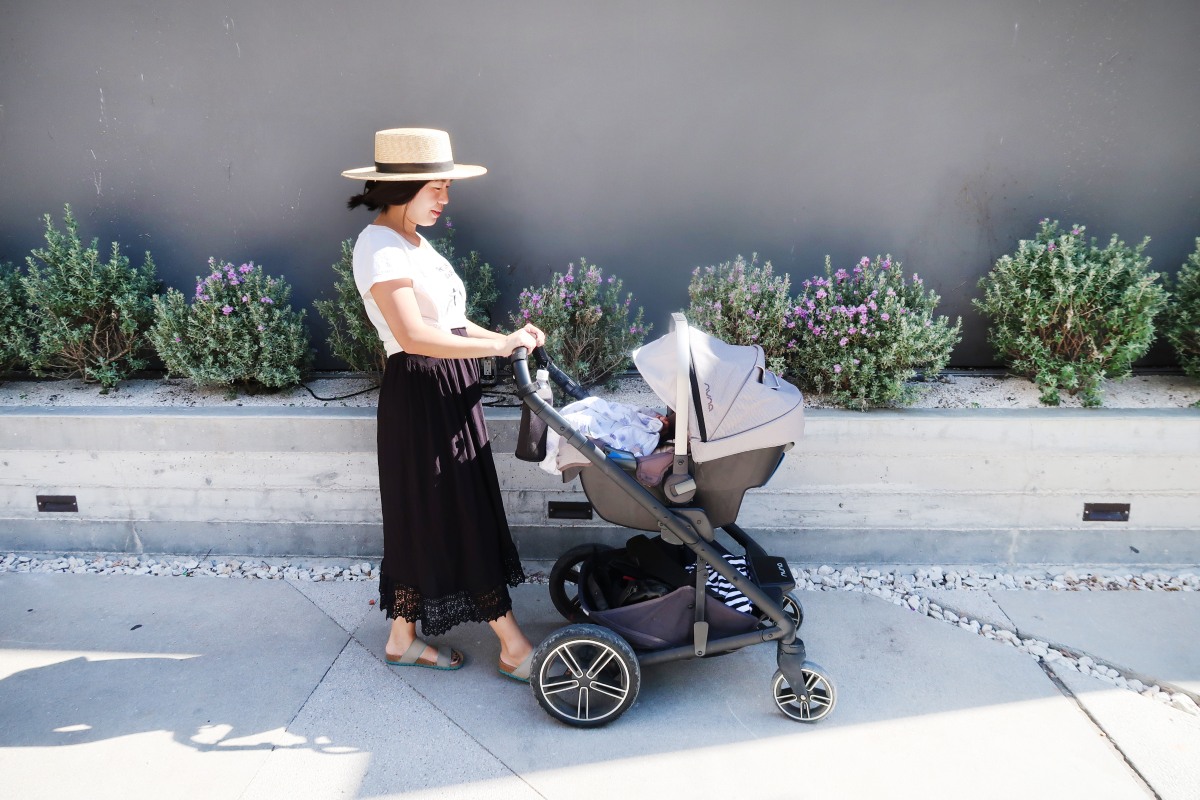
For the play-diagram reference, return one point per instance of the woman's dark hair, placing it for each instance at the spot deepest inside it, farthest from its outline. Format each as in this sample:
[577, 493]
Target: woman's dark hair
[378, 195]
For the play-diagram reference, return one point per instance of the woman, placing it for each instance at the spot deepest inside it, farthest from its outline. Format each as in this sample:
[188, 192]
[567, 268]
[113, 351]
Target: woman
[448, 556]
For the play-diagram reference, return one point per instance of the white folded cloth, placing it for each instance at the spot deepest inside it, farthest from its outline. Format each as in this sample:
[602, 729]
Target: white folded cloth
[617, 425]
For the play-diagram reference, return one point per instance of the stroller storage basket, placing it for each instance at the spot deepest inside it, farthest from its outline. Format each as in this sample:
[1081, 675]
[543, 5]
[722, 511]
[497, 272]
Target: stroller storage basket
[663, 621]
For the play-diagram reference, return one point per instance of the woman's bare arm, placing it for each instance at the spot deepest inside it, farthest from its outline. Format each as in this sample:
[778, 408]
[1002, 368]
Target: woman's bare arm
[398, 303]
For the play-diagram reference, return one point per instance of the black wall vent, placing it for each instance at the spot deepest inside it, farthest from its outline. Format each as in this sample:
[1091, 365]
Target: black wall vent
[1106, 512]
[565, 509]
[57, 502]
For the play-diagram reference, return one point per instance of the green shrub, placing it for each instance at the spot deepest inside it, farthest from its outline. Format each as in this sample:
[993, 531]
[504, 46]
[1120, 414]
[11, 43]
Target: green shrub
[1183, 315]
[743, 303]
[1067, 313]
[238, 331]
[588, 331]
[476, 276]
[14, 318]
[860, 336]
[352, 335]
[88, 319]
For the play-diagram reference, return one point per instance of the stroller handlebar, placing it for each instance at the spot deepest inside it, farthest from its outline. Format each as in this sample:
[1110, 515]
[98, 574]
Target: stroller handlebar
[524, 382]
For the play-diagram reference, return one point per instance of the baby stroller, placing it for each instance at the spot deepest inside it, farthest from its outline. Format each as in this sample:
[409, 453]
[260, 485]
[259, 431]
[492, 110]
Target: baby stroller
[636, 606]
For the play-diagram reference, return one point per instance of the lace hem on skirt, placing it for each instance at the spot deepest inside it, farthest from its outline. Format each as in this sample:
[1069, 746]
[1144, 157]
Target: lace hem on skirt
[439, 615]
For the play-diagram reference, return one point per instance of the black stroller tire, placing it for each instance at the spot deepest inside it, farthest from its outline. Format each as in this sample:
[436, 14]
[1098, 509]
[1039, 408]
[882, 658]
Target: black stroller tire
[585, 675]
[791, 607]
[810, 703]
[564, 580]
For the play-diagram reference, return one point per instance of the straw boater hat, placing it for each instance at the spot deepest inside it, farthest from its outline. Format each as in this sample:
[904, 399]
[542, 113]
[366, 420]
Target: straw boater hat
[413, 154]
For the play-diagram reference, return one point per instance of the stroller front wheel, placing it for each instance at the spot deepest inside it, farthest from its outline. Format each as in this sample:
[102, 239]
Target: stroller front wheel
[585, 675]
[811, 702]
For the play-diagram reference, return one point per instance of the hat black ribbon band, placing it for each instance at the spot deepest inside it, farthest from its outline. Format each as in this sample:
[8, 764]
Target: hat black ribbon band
[420, 167]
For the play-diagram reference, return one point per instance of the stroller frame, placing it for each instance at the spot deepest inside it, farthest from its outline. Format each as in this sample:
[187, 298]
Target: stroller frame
[689, 526]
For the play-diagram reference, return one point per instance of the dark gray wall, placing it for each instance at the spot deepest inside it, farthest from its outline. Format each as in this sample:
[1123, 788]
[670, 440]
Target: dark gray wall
[646, 137]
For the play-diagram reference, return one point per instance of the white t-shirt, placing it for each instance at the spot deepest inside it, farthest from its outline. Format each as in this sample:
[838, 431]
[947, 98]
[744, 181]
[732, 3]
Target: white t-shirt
[381, 254]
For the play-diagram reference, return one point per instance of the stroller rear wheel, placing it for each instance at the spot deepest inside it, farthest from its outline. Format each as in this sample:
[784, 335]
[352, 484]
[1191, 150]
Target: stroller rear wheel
[811, 702]
[564, 580]
[791, 607]
[585, 675]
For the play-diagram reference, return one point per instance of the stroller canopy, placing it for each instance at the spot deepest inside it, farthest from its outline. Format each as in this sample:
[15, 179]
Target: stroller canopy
[735, 403]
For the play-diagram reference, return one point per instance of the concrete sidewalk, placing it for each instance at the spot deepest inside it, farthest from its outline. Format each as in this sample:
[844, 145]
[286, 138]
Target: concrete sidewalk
[139, 687]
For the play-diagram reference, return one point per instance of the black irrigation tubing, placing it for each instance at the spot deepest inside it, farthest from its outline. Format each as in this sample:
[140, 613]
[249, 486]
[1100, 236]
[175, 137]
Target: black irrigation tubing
[339, 397]
[498, 400]
[491, 399]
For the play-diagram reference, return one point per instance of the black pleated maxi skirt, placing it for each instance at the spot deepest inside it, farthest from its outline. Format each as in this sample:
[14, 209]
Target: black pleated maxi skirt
[448, 555]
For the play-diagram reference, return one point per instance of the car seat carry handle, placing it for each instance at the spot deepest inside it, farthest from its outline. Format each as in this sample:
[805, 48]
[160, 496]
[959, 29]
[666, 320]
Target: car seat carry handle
[683, 358]
[680, 487]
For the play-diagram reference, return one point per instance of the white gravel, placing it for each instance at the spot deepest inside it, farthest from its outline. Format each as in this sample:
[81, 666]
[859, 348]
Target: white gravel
[900, 586]
[350, 390]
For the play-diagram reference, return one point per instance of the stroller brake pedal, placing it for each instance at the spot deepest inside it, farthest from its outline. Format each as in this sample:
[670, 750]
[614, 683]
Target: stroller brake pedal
[701, 635]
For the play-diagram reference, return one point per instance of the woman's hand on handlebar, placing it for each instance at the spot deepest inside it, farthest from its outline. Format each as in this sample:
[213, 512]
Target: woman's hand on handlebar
[536, 333]
[521, 338]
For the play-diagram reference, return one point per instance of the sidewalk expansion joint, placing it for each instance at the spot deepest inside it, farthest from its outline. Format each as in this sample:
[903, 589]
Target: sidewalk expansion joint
[1108, 740]
[429, 701]
[901, 589]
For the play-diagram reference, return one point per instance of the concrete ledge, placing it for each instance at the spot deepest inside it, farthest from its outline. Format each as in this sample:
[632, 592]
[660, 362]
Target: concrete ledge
[1004, 486]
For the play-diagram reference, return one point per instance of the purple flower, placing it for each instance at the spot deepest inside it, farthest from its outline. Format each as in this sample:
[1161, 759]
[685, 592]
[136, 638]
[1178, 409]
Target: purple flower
[267, 300]
[245, 298]
[885, 317]
[245, 268]
[262, 327]
[177, 339]
[227, 310]
[821, 294]
[837, 368]
[1051, 247]
[844, 341]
